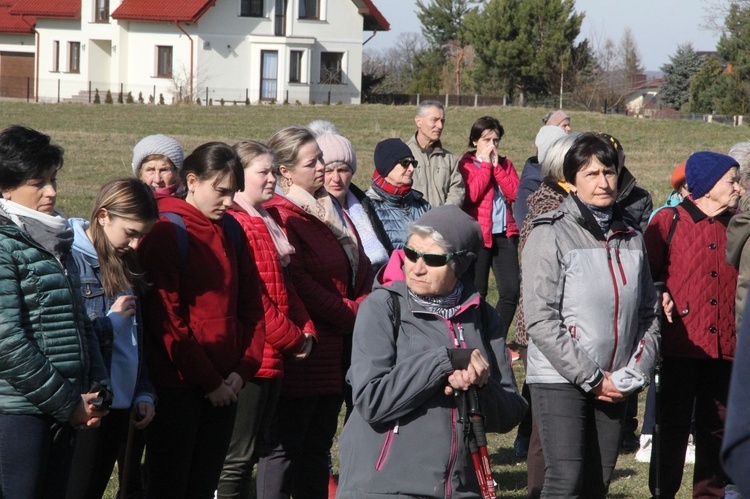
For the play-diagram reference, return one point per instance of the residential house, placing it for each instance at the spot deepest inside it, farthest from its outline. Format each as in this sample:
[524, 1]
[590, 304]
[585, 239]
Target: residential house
[643, 100]
[236, 50]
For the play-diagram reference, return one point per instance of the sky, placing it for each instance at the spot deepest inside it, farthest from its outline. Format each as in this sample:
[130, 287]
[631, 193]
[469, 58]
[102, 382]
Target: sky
[658, 26]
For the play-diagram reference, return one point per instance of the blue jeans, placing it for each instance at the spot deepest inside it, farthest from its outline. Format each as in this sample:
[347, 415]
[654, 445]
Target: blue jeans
[580, 437]
[32, 465]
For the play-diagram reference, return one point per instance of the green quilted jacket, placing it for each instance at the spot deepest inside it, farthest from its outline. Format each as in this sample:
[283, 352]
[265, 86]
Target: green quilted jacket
[49, 354]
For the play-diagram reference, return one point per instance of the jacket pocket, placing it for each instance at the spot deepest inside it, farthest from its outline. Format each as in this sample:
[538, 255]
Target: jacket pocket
[93, 298]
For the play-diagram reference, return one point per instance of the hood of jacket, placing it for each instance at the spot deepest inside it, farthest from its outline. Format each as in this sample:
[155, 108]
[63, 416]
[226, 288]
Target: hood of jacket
[81, 241]
[200, 223]
[625, 183]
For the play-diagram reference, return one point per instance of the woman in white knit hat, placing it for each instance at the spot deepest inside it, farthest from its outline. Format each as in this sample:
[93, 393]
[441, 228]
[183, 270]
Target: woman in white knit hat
[157, 161]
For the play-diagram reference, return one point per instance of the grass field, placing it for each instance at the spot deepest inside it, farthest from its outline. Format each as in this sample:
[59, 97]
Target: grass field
[98, 140]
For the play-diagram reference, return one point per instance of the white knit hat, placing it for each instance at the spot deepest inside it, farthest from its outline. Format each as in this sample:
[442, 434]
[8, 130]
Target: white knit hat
[546, 136]
[158, 144]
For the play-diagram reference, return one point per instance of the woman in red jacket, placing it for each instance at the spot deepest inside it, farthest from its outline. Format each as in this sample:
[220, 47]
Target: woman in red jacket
[332, 275]
[204, 327]
[289, 330]
[491, 186]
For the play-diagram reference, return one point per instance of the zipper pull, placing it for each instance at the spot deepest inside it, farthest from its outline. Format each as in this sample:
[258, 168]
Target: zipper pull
[395, 428]
[460, 332]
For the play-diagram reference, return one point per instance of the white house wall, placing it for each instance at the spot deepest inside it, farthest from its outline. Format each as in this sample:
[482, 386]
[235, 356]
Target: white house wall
[17, 43]
[226, 54]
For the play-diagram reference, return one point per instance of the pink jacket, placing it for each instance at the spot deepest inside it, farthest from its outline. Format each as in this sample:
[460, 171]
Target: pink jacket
[480, 191]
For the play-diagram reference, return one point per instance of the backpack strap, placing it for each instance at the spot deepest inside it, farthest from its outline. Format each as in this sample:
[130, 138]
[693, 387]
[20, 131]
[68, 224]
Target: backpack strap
[672, 226]
[182, 237]
[396, 311]
[232, 229]
[234, 233]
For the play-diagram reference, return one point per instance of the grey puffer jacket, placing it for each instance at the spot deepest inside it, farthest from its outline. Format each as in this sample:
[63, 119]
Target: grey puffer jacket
[402, 439]
[738, 254]
[397, 212]
[589, 300]
[49, 354]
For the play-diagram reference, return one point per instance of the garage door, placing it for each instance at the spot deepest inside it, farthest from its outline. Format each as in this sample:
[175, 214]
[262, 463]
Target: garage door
[16, 72]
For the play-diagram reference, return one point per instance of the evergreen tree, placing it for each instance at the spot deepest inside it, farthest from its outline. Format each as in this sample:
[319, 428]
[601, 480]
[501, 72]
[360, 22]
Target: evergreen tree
[724, 87]
[705, 87]
[675, 92]
[442, 22]
[522, 46]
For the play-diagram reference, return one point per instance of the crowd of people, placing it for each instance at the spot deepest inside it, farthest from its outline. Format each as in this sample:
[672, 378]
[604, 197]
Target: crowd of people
[217, 312]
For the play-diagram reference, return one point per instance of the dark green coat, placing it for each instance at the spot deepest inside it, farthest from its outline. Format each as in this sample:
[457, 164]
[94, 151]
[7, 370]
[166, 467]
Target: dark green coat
[49, 354]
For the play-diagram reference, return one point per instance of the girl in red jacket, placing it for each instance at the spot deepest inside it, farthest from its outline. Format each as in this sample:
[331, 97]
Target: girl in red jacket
[204, 326]
[289, 330]
[491, 186]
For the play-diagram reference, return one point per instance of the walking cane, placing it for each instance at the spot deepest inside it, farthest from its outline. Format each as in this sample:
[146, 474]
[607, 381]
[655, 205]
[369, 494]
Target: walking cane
[125, 476]
[470, 414]
[480, 437]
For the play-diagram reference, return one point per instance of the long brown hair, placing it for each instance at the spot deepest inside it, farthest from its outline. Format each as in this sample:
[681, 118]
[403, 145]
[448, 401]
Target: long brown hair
[130, 199]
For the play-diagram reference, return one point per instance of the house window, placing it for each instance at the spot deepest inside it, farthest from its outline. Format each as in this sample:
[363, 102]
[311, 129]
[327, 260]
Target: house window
[330, 68]
[269, 69]
[74, 57]
[251, 8]
[280, 18]
[101, 14]
[309, 9]
[164, 61]
[295, 66]
[56, 56]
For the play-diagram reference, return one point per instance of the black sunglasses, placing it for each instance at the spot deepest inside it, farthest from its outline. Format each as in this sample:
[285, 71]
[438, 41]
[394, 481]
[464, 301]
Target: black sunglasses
[406, 162]
[430, 259]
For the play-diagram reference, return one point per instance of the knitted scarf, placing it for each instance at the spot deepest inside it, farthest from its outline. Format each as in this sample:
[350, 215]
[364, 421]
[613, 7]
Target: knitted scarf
[388, 187]
[321, 207]
[374, 249]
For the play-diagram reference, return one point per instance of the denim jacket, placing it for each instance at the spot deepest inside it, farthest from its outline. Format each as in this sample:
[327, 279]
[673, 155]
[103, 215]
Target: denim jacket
[97, 305]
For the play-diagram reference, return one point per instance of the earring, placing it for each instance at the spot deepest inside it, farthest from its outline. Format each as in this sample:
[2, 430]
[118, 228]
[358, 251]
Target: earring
[285, 182]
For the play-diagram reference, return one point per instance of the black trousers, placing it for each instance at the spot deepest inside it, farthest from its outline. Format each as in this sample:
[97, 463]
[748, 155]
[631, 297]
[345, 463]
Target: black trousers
[186, 444]
[502, 258]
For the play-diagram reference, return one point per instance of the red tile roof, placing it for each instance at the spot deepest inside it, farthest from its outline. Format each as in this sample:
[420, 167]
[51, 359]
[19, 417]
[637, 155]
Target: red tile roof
[66, 9]
[15, 24]
[189, 11]
[374, 20]
[186, 11]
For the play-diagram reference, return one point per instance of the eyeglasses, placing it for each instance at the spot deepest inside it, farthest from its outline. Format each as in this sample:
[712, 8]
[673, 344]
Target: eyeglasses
[406, 162]
[430, 259]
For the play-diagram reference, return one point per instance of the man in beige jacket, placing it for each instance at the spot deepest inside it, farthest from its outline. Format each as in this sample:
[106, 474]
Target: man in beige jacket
[437, 176]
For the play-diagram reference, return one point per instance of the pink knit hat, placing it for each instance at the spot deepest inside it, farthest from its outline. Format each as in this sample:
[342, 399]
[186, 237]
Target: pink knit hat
[557, 117]
[337, 149]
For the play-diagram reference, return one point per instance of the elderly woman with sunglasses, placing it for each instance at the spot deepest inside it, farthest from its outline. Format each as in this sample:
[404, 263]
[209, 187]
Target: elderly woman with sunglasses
[422, 336]
[396, 203]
